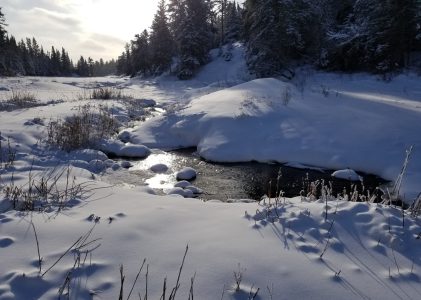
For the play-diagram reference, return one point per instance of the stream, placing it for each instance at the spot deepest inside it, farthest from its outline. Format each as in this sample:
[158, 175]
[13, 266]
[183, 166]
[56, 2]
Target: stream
[227, 181]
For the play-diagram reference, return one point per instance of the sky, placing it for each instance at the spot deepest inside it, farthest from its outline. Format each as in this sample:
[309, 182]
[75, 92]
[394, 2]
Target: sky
[92, 28]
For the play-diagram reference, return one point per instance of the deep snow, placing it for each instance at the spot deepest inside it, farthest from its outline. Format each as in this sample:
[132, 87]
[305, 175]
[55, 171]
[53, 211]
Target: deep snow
[288, 248]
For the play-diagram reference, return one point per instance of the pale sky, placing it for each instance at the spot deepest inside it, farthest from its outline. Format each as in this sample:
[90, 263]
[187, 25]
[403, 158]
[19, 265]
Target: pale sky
[95, 28]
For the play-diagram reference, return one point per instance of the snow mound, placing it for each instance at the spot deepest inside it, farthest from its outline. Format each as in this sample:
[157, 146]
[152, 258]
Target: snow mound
[88, 155]
[347, 174]
[270, 120]
[180, 191]
[121, 149]
[182, 184]
[159, 168]
[186, 173]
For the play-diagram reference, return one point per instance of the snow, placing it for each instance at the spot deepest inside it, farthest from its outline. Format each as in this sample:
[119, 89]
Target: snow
[367, 130]
[117, 148]
[347, 174]
[288, 246]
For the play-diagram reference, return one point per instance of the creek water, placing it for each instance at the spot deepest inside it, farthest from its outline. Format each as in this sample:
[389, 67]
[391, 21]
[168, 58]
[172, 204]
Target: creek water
[252, 180]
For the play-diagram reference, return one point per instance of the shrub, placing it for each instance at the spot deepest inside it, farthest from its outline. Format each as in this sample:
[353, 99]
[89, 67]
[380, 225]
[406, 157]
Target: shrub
[107, 94]
[83, 129]
[19, 100]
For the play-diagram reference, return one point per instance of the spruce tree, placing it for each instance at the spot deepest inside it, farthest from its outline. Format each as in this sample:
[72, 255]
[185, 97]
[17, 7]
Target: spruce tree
[195, 38]
[161, 41]
[176, 16]
[3, 32]
[141, 53]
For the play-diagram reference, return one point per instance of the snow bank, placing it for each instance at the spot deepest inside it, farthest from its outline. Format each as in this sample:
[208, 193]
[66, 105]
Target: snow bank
[120, 149]
[347, 174]
[270, 120]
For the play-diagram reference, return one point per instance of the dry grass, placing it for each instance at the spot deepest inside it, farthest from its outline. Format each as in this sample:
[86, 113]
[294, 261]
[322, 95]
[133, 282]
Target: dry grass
[84, 129]
[19, 100]
[54, 188]
[107, 94]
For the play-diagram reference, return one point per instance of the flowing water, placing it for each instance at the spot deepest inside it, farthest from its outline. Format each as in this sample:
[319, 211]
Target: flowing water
[225, 181]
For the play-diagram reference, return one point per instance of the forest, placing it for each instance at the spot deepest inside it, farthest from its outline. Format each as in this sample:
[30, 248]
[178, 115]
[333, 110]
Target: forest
[27, 57]
[378, 36]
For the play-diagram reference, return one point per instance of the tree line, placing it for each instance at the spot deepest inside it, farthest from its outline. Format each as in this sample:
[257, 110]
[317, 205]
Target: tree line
[27, 57]
[180, 37]
[347, 35]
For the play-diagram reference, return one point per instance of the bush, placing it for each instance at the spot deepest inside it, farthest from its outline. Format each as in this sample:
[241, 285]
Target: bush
[19, 100]
[83, 129]
[107, 94]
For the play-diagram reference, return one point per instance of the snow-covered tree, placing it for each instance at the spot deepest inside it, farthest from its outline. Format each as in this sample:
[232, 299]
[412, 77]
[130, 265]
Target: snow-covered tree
[376, 35]
[141, 55]
[195, 38]
[161, 41]
[3, 31]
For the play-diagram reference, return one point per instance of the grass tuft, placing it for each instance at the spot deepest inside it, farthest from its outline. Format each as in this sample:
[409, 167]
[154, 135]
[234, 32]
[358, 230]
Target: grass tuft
[82, 130]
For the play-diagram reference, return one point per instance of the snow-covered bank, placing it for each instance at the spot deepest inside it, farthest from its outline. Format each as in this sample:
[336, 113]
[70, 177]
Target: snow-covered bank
[360, 123]
[280, 250]
[288, 248]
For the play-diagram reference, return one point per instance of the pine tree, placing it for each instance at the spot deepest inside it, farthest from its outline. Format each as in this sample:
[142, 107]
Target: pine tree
[3, 32]
[376, 35]
[82, 67]
[161, 41]
[177, 14]
[65, 63]
[141, 53]
[233, 22]
[195, 39]
[264, 27]
[222, 9]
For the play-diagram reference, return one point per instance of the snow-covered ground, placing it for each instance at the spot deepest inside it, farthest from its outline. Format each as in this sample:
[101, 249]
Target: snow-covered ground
[295, 248]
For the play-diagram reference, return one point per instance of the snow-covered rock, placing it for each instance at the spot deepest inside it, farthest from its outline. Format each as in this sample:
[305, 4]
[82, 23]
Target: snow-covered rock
[182, 184]
[347, 174]
[118, 148]
[186, 173]
[181, 192]
[194, 189]
[126, 164]
[134, 151]
[159, 168]
[146, 102]
[97, 165]
[88, 155]
[124, 136]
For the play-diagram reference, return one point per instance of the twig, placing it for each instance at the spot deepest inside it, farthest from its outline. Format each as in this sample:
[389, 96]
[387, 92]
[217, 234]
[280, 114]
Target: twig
[137, 276]
[36, 239]
[122, 277]
[177, 285]
[78, 240]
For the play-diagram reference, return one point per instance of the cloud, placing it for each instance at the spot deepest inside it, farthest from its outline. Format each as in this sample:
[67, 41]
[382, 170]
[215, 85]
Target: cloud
[100, 45]
[57, 23]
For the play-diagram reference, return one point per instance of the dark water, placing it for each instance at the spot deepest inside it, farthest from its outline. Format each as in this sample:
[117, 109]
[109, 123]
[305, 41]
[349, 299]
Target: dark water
[246, 180]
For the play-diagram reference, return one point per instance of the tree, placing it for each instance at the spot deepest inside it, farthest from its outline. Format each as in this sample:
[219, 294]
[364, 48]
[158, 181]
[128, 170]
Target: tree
[141, 53]
[376, 35]
[177, 14]
[161, 41]
[222, 8]
[195, 38]
[65, 63]
[3, 31]
[265, 30]
[82, 67]
[233, 22]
